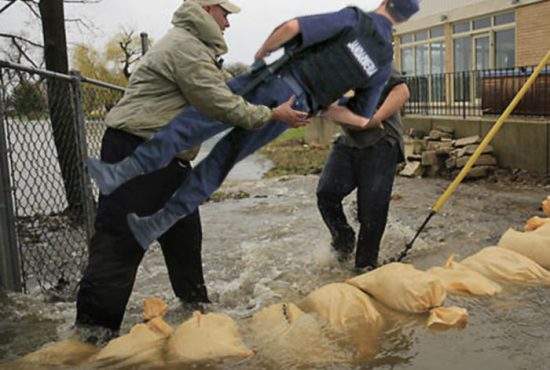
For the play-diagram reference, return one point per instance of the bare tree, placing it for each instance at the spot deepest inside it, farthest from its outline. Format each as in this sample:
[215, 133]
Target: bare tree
[52, 16]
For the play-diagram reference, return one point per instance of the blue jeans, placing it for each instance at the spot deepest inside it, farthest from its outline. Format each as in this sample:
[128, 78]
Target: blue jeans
[371, 171]
[191, 128]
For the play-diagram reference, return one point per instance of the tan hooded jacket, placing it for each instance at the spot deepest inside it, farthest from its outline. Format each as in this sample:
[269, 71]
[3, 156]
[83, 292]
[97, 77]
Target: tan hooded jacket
[180, 70]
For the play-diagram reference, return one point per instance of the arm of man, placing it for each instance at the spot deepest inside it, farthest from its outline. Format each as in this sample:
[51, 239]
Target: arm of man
[313, 29]
[358, 111]
[203, 85]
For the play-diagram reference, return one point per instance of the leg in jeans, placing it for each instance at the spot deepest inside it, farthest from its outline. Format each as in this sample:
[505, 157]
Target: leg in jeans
[336, 182]
[376, 173]
[210, 173]
[188, 129]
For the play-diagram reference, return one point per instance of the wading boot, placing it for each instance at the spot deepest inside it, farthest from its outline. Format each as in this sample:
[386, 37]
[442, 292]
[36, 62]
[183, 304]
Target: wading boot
[109, 177]
[148, 229]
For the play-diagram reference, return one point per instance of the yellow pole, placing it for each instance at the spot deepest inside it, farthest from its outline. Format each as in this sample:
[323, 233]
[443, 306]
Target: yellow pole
[490, 136]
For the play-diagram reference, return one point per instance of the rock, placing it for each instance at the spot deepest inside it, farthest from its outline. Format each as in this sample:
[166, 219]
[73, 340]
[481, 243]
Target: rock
[480, 172]
[461, 152]
[414, 157]
[470, 149]
[445, 129]
[451, 163]
[484, 160]
[419, 146]
[438, 135]
[412, 169]
[429, 158]
[471, 140]
[444, 148]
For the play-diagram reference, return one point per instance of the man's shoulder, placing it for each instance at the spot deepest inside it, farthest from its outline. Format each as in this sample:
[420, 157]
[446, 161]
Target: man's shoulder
[179, 43]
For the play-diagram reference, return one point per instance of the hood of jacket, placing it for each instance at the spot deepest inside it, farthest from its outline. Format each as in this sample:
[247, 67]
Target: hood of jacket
[193, 18]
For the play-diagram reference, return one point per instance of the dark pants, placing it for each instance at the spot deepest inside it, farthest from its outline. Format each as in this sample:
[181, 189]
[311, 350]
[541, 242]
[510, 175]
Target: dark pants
[371, 170]
[115, 255]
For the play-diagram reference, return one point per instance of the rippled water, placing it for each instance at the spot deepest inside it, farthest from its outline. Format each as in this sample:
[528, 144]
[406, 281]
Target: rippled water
[273, 248]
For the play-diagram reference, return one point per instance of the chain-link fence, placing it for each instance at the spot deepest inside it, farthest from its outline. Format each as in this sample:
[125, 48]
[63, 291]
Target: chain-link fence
[51, 122]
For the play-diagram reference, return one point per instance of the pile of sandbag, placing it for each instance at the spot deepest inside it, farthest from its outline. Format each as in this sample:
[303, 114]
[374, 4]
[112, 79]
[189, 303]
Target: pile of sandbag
[311, 332]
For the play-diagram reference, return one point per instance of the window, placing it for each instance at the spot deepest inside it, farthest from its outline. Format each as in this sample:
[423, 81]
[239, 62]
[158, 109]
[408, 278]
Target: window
[461, 27]
[405, 39]
[437, 32]
[505, 50]
[407, 61]
[482, 23]
[437, 57]
[422, 62]
[421, 36]
[505, 18]
[463, 54]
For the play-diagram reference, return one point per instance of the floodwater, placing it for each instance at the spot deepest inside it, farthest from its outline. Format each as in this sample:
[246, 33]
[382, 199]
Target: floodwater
[273, 247]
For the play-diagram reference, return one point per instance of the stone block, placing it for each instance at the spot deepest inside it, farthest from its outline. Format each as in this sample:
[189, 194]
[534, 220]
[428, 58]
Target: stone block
[412, 169]
[429, 158]
[459, 143]
[484, 160]
[438, 135]
[470, 149]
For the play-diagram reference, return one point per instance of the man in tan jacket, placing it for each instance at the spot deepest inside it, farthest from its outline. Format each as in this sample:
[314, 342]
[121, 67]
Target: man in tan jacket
[180, 70]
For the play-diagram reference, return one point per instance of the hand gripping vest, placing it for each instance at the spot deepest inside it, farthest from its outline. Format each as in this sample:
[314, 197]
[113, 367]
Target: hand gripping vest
[345, 62]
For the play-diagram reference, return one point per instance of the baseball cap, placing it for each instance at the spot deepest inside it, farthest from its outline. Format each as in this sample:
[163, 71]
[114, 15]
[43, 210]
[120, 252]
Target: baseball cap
[226, 4]
[402, 10]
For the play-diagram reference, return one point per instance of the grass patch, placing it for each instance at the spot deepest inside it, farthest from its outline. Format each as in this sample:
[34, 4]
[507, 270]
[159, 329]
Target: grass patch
[292, 156]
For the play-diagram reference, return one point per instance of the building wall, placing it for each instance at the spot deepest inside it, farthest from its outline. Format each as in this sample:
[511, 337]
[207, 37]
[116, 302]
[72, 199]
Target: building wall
[532, 33]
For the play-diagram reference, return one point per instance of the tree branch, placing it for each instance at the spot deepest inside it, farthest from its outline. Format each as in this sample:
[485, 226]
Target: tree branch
[20, 38]
[5, 7]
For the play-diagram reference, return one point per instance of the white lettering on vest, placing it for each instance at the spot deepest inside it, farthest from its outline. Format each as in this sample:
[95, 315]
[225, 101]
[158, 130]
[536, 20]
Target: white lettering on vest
[361, 55]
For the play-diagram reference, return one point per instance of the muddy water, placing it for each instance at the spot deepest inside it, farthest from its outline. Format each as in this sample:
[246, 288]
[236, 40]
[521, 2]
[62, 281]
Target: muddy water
[272, 247]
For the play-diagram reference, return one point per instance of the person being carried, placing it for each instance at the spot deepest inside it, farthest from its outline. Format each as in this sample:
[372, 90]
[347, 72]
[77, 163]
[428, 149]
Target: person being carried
[330, 54]
[365, 160]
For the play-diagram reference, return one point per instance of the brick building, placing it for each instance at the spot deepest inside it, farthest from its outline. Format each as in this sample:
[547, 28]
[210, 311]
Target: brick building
[461, 35]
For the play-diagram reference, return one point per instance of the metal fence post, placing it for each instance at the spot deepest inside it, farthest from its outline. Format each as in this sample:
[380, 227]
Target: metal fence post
[10, 272]
[144, 43]
[80, 128]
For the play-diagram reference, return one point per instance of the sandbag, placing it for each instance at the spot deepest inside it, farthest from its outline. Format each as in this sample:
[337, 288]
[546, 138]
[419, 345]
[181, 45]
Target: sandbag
[65, 353]
[287, 336]
[534, 245]
[501, 264]
[443, 318]
[546, 207]
[343, 306]
[143, 346]
[153, 308]
[402, 287]
[535, 223]
[350, 313]
[459, 279]
[205, 338]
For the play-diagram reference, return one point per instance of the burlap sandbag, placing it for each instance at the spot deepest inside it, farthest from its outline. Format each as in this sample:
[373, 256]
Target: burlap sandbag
[287, 336]
[153, 308]
[535, 223]
[501, 264]
[343, 306]
[206, 338]
[442, 318]
[459, 279]
[350, 313]
[402, 287]
[68, 353]
[534, 245]
[143, 347]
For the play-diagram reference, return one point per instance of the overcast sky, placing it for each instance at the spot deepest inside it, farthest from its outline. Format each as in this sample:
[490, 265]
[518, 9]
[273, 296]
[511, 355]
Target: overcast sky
[248, 29]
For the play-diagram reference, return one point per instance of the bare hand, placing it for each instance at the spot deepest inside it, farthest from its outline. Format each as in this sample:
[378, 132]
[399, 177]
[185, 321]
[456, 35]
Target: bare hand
[261, 54]
[285, 113]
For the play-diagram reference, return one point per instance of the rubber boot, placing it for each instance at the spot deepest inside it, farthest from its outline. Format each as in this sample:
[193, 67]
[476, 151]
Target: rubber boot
[148, 229]
[109, 177]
